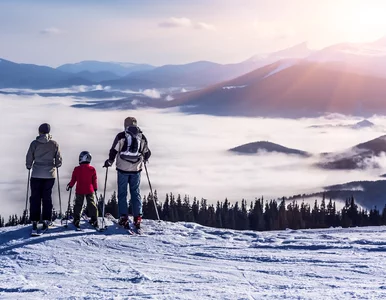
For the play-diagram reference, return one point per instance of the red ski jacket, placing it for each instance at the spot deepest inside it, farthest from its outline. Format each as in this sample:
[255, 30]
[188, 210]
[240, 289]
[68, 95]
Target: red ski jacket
[85, 178]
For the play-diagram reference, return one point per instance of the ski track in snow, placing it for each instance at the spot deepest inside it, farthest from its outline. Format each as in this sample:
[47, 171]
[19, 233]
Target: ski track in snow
[189, 261]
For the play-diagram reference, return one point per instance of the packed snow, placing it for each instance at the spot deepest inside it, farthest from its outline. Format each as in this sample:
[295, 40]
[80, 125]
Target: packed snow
[189, 261]
[282, 67]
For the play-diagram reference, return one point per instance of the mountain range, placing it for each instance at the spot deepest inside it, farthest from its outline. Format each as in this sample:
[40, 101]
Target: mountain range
[295, 82]
[129, 75]
[290, 89]
[117, 68]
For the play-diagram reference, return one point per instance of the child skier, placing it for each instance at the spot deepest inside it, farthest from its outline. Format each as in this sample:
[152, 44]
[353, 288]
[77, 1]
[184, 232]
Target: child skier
[85, 178]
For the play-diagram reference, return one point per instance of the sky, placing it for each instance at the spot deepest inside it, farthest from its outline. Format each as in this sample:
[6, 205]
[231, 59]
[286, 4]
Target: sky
[177, 31]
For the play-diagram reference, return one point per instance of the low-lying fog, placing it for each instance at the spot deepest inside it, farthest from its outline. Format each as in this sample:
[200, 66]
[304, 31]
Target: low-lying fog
[189, 151]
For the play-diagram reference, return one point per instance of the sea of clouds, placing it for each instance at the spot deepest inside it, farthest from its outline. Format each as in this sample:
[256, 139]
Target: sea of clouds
[189, 151]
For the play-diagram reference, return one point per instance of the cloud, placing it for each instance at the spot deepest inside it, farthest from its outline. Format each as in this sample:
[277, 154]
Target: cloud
[205, 26]
[152, 93]
[72, 89]
[186, 23]
[176, 22]
[51, 31]
[199, 165]
[169, 98]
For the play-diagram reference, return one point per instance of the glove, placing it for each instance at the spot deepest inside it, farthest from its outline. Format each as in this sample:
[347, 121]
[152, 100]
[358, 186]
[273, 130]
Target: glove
[146, 156]
[68, 187]
[108, 163]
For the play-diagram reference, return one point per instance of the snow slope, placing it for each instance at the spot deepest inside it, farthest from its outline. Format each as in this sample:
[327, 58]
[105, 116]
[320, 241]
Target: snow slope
[189, 261]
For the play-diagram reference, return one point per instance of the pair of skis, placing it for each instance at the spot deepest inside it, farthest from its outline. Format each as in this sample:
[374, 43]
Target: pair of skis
[97, 228]
[132, 230]
[40, 229]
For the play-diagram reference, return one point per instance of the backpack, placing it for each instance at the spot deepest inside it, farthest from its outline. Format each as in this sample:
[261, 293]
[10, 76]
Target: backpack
[131, 150]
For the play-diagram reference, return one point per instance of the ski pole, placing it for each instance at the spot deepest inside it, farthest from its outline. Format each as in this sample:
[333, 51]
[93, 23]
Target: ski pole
[60, 198]
[26, 198]
[68, 208]
[151, 192]
[104, 197]
[103, 209]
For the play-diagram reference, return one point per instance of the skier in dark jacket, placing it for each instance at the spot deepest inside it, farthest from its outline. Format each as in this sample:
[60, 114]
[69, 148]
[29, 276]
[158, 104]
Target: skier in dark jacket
[43, 157]
[130, 149]
[85, 178]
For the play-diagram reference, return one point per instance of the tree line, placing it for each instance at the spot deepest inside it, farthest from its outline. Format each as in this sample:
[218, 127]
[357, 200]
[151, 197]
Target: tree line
[258, 215]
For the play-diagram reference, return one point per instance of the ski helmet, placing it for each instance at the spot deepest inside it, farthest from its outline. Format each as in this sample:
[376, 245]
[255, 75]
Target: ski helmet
[44, 128]
[84, 157]
[130, 121]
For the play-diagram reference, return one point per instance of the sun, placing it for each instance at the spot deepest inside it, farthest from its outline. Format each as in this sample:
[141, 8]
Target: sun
[362, 21]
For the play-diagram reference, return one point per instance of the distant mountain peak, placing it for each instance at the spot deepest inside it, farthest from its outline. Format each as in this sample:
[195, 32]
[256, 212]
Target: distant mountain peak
[380, 42]
[296, 51]
[364, 123]
[266, 146]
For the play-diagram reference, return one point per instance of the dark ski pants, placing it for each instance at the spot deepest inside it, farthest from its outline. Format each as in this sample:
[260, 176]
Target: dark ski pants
[133, 181]
[92, 211]
[41, 190]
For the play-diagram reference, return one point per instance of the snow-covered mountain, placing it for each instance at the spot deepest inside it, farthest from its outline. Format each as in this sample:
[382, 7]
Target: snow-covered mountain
[189, 261]
[296, 90]
[364, 58]
[297, 51]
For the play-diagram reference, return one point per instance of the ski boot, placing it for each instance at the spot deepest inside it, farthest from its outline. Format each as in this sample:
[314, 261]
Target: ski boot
[94, 223]
[46, 225]
[124, 221]
[77, 224]
[34, 228]
[137, 224]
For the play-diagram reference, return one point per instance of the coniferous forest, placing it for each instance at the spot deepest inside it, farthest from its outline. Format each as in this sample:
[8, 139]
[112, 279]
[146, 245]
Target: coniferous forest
[259, 215]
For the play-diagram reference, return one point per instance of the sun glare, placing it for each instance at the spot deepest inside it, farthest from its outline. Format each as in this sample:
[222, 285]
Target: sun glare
[362, 22]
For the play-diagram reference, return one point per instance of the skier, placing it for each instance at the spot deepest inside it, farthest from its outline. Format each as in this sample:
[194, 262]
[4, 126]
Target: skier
[130, 148]
[85, 177]
[43, 157]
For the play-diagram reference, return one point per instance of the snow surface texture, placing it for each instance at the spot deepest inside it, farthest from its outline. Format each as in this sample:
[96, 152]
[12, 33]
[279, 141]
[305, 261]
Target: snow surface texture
[189, 261]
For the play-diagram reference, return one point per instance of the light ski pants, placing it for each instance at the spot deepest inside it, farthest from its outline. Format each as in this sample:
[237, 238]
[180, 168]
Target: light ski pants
[133, 180]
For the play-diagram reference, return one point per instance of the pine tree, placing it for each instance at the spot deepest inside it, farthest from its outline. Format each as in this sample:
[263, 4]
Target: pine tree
[218, 216]
[203, 216]
[166, 213]
[243, 216]
[322, 213]
[195, 209]
[225, 214]
[232, 211]
[283, 223]
[187, 210]
[179, 210]
[353, 213]
[384, 215]
[111, 206]
[331, 213]
[256, 216]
